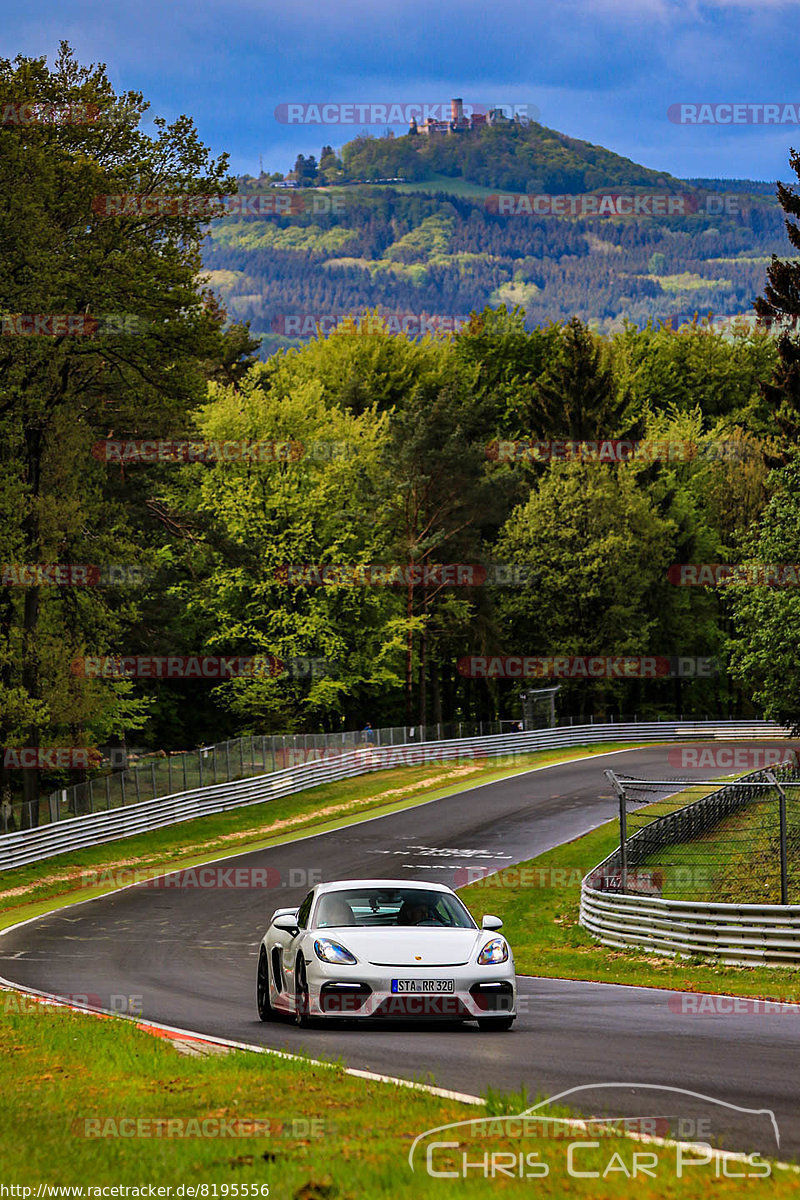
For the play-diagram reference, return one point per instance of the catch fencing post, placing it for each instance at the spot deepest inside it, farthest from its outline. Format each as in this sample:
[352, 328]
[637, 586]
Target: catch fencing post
[782, 816]
[623, 830]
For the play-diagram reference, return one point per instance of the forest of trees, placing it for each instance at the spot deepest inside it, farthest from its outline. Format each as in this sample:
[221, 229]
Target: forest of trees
[449, 255]
[395, 461]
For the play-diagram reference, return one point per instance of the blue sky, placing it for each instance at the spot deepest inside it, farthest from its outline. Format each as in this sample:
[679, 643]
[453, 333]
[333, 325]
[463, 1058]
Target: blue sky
[603, 70]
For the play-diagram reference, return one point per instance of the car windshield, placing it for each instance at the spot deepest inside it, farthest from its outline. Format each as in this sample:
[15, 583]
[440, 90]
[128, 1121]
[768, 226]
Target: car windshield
[392, 906]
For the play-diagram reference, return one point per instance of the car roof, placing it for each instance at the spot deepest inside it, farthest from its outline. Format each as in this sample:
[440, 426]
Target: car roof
[346, 884]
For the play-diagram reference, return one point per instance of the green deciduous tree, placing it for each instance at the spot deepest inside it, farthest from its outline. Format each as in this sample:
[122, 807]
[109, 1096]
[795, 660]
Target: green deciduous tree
[317, 507]
[67, 253]
[767, 618]
[600, 551]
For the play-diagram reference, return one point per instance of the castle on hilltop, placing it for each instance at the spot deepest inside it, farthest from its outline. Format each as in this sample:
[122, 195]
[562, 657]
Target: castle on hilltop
[458, 123]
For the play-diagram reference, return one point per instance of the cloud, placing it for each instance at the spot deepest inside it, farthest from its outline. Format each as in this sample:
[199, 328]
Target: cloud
[603, 70]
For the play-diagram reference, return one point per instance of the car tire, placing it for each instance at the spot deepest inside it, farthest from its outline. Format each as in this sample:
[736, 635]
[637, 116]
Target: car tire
[265, 1010]
[495, 1024]
[301, 1003]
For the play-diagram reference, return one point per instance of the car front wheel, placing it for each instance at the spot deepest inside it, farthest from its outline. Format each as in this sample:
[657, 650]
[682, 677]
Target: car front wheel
[301, 1003]
[265, 1009]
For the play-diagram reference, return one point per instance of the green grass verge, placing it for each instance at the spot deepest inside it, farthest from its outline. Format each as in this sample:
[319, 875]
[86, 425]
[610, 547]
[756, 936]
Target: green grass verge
[539, 902]
[96, 1103]
[30, 891]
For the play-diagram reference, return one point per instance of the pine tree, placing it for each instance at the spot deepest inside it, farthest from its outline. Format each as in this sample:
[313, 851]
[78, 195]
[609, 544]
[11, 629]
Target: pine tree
[781, 303]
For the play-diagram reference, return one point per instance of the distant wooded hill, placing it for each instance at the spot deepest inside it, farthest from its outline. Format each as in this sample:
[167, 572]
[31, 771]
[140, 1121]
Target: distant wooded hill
[511, 157]
[438, 245]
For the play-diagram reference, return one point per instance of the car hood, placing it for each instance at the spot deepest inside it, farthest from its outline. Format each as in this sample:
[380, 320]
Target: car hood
[410, 946]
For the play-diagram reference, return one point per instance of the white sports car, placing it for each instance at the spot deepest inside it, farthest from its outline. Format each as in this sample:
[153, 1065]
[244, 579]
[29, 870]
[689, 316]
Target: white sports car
[385, 948]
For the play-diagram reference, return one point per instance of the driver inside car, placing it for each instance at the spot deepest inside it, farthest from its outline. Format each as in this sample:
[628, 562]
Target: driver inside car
[415, 912]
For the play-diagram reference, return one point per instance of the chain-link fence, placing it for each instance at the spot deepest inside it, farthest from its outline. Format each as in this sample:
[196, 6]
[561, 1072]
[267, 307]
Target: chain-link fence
[697, 841]
[149, 776]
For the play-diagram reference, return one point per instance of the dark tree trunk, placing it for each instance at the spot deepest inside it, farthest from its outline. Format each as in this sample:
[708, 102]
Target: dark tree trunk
[409, 656]
[34, 439]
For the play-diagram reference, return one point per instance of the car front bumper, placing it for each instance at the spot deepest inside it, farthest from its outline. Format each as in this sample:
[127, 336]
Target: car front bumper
[366, 991]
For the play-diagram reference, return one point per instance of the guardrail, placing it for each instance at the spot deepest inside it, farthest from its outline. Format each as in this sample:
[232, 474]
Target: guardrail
[78, 832]
[155, 774]
[737, 934]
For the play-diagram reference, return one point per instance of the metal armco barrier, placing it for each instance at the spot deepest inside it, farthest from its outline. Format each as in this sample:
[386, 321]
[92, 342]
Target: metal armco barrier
[737, 934]
[31, 845]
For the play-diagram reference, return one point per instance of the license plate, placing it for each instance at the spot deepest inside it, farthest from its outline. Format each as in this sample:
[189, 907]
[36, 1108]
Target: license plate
[423, 985]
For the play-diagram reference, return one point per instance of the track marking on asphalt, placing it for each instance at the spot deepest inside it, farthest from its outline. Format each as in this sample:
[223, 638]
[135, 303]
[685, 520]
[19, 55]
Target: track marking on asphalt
[292, 839]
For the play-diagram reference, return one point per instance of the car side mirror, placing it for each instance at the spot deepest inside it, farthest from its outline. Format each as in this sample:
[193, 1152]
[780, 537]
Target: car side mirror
[288, 923]
[490, 922]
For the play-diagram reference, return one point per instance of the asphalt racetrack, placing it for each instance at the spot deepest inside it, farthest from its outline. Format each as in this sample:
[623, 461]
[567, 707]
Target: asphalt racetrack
[187, 955]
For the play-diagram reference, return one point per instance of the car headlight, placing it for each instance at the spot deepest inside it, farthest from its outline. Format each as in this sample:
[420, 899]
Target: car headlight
[332, 952]
[495, 951]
